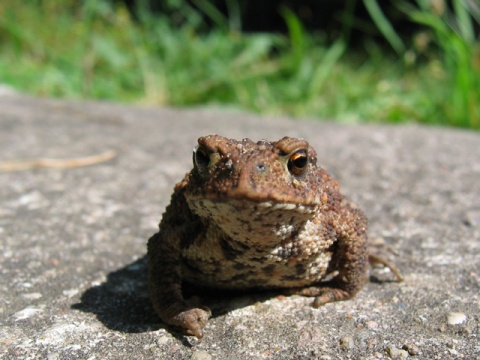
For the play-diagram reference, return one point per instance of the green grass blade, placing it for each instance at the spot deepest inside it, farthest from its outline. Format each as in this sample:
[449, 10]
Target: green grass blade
[325, 67]
[234, 15]
[212, 12]
[296, 35]
[384, 25]
[464, 21]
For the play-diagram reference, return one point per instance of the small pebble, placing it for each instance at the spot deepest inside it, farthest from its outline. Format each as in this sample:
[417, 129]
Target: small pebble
[201, 355]
[372, 325]
[347, 343]
[27, 312]
[411, 348]
[396, 353]
[456, 318]
[70, 293]
[32, 296]
[163, 340]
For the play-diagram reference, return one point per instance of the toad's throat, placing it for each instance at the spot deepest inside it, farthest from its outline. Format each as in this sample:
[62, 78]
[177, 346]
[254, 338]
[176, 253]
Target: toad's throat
[254, 223]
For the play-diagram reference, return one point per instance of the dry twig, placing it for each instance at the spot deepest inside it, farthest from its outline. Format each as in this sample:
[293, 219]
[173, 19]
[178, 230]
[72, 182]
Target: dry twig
[41, 163]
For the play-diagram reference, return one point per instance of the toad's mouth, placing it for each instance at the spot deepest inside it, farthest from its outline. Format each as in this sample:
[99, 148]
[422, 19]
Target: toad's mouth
[268, 202]
[273, 206]
[251, 207]
[291, 198]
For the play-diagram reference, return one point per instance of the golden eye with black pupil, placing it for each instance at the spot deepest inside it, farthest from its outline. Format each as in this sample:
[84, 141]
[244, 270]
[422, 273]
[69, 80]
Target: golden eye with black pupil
[201, 158]
[297, 164]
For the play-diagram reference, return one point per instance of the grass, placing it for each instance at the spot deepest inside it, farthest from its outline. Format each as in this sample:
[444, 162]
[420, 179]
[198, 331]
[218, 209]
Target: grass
[454, 34]
[96, 50]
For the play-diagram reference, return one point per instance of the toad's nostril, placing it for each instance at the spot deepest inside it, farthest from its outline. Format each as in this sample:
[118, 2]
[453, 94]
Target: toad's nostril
[261, 167]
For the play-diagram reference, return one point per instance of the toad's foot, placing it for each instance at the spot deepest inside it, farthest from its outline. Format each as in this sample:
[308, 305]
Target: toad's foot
[192, 321]
[323, 294]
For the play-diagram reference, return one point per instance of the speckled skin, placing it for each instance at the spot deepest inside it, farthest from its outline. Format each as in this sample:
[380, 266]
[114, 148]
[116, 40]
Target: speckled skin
[255, 215]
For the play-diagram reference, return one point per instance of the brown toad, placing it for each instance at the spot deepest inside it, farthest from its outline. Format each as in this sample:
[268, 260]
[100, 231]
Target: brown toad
[255, 216]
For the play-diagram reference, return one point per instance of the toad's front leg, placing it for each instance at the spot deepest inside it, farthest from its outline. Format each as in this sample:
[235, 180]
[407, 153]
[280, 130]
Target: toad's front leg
[350, 260]
[165, 286]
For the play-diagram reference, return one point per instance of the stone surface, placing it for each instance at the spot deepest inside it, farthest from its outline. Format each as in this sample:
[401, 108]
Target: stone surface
[73, 240]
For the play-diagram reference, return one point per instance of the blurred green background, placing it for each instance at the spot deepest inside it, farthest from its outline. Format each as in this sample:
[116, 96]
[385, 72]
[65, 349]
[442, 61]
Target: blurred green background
[350, 61]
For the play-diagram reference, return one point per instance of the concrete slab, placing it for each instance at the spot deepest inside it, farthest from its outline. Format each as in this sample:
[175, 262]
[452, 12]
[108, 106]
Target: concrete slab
[73, 240]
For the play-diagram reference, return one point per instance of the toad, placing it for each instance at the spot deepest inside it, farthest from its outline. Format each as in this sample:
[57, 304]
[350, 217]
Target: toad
[255, 215]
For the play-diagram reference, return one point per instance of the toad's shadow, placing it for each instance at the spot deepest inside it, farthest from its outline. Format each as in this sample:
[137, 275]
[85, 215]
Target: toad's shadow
[121, 303]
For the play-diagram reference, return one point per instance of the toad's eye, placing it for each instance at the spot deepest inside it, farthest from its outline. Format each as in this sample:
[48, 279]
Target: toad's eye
[201, 158]
[297, 164]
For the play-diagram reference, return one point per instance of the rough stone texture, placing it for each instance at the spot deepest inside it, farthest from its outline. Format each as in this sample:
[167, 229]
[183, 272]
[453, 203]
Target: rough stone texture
[72, 241]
